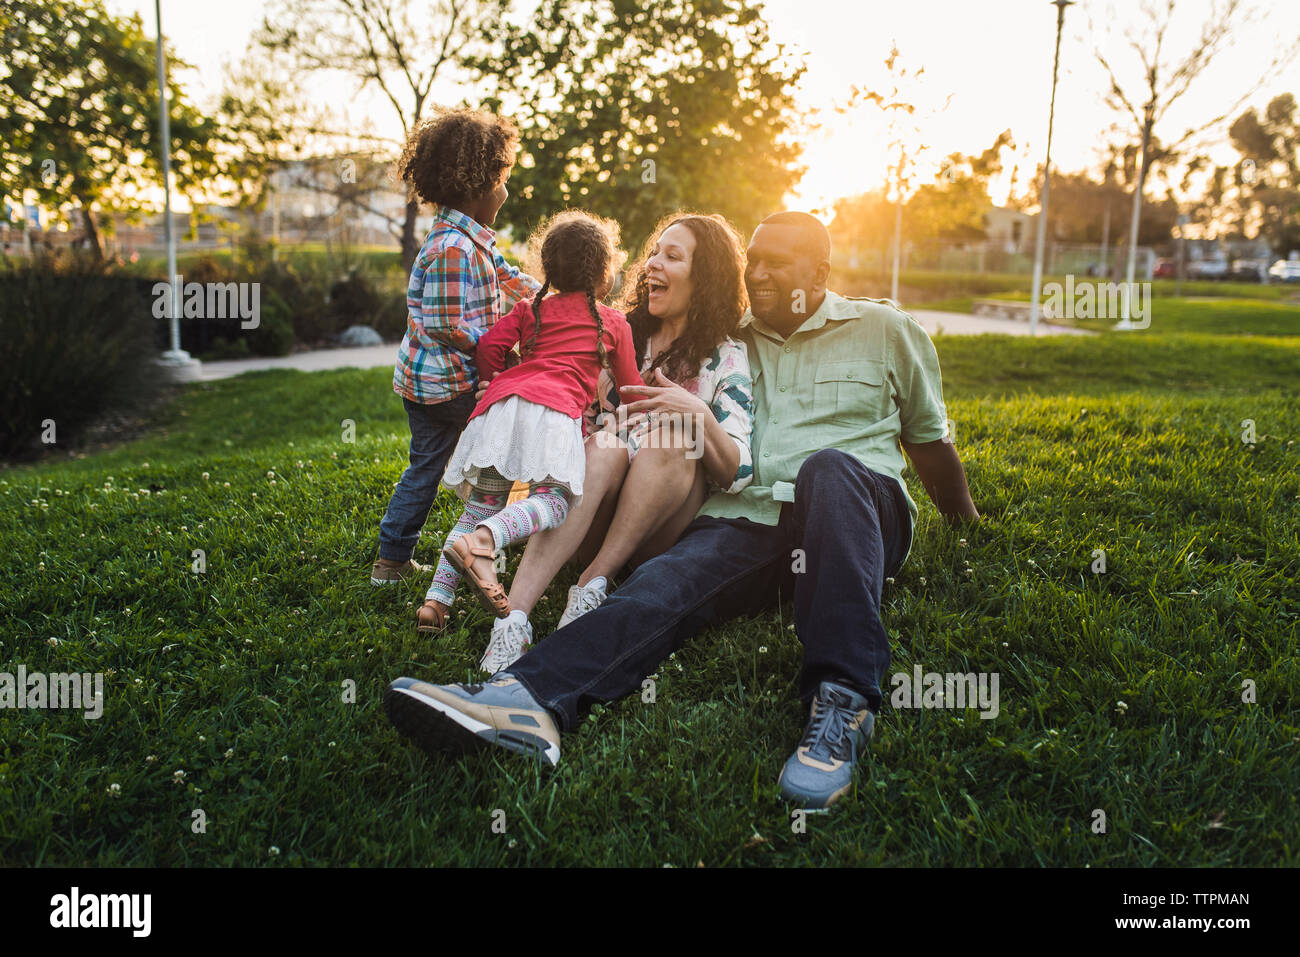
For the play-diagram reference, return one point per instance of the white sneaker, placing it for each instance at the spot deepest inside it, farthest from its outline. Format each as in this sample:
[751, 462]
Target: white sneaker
[510, 639]
[582, 599]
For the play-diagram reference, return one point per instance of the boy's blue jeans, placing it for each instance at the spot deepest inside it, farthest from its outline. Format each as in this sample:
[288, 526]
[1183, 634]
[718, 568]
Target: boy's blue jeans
[853, 527]
[435, 429]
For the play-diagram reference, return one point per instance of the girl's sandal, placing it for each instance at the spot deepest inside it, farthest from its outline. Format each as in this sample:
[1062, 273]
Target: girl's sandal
[461, 554]
[431, 619]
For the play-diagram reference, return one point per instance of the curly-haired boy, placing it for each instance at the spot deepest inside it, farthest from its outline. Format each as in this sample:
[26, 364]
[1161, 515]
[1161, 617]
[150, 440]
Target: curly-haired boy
[458, 162]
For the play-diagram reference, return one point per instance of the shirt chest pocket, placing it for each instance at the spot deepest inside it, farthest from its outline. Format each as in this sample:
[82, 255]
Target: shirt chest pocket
[852, 392]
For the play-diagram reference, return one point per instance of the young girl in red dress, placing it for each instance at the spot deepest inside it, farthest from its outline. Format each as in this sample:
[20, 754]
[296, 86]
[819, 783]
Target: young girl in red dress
[527, 427]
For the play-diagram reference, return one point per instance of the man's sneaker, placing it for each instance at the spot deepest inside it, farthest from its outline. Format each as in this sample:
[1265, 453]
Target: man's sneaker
[463, 717]
[385, 572]
[582, 599]
[511, 637]
[821, 768]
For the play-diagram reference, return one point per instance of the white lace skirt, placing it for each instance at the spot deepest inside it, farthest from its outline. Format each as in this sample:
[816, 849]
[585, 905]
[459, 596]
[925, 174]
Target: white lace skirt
[525, 442]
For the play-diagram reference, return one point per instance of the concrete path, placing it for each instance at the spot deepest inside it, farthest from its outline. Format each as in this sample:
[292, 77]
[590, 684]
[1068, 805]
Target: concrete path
[952, 323]
[964, 324]
[364, 357]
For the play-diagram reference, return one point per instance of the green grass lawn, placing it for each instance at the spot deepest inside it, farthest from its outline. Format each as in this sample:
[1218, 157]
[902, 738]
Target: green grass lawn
[1120, 692]
[1177, 315]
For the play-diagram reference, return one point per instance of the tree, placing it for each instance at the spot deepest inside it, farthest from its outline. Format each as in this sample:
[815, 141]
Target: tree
[863, 221]
[953, 207]
[633, 108]
[904, 136]
[1268, 176]
[382, 43]
[1165, 79]
[79, 111]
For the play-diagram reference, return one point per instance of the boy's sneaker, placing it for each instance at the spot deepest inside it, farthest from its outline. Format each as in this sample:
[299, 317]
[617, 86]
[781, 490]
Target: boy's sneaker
[582, 599]
[511, 637]
[821, 768]
[386, 572]
[462, 717]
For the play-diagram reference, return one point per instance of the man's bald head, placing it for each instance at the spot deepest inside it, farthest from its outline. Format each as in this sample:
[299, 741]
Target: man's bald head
[814, 239]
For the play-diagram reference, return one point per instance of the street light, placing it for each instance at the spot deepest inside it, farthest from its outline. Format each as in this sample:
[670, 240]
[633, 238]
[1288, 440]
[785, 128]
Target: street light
[177, 360]
[1047, 174]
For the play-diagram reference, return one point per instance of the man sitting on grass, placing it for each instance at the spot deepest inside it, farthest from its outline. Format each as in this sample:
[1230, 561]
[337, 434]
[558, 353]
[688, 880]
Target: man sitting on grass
[837, 384]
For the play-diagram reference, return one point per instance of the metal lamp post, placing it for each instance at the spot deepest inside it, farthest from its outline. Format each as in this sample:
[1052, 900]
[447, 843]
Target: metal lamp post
[1047, 174]
[177, 360]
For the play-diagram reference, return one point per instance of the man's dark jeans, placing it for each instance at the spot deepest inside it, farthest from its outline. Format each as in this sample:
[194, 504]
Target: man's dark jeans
[853, 527]
[435, 430]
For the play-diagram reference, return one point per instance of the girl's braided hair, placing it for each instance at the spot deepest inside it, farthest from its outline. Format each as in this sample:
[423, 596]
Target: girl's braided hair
[576, 251]
[718, 298]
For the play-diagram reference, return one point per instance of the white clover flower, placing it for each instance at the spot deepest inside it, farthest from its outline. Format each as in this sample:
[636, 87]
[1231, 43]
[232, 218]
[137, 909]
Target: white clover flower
[178, 776]
[230, 752]
[151, 758]
[206, 476]
[225, 485]
[762, 649]
[961, 542]
[270, 474]
[273, 851]
[114, 789]
[1121, 707]
[52, 642]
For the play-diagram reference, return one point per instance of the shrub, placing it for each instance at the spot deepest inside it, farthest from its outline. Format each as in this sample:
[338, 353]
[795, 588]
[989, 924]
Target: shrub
[79, 347]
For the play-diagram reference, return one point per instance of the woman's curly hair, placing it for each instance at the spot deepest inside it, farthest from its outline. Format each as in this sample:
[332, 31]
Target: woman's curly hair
[458, 156]
[718, 297]
[575, 251]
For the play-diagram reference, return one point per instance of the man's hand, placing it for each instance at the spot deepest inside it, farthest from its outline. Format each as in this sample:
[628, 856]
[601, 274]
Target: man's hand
[940, 470]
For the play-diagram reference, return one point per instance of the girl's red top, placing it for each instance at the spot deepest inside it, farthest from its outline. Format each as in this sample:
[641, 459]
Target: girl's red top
[562, 369]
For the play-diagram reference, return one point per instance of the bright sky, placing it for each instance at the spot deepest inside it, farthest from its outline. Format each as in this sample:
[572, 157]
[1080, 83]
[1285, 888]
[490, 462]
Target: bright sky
[993, 56]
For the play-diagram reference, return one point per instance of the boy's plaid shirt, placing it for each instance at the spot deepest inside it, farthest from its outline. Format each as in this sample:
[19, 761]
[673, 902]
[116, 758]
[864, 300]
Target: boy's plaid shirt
[460, 285]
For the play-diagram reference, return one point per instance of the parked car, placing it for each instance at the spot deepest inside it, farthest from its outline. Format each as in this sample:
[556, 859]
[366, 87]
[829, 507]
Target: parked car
[1165, 269]
[1207, 269]
[1249, 270]
[1285, 270]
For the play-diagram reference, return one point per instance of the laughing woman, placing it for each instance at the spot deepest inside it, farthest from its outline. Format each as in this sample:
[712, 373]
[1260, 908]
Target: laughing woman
[644, 483]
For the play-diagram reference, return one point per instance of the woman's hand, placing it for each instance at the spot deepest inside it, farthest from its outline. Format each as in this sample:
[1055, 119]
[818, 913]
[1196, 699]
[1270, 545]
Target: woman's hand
[482, 389]
[663, 397]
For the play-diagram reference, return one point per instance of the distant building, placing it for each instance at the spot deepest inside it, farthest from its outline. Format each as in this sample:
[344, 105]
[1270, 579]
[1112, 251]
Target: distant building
[1010, 230]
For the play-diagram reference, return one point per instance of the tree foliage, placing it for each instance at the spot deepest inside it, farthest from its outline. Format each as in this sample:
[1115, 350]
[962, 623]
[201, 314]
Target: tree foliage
[79, 111]
[633, 108]
[1268, 177]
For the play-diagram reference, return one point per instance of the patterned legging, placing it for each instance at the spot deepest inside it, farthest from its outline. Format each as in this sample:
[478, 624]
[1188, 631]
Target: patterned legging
[545, 507]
